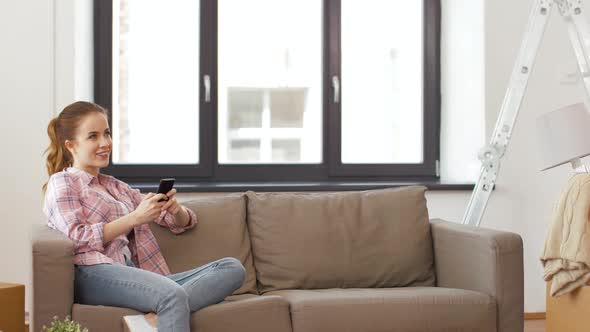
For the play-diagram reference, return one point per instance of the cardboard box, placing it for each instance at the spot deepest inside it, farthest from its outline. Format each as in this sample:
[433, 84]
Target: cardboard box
[569, 312]
[12, 307]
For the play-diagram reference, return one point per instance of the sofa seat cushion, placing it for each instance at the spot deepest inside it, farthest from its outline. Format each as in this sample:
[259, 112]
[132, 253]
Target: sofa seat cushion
[251, 314]
[100, 317]
[358, 239]
[247, 312]
[390, 309]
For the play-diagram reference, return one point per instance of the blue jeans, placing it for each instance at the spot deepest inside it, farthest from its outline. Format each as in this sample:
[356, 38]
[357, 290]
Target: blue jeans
[171, 297]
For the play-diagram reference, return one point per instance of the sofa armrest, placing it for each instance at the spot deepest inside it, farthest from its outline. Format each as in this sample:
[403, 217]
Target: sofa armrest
[482, 260]
[53, 275]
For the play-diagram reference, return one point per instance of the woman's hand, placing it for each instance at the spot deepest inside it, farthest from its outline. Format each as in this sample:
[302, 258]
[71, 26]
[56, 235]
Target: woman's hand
[181, 215]
[172, 205]
[149, 208]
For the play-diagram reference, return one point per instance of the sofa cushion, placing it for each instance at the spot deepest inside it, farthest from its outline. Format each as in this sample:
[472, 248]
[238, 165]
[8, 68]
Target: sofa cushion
[362, 239]
[394, 309]
[248, 313]
[221, 231]
[254, 314]
[100, 317]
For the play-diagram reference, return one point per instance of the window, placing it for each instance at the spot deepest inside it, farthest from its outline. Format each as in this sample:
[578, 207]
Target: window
[385, 73]
[270, 90]
[270, 119]
[151, 93]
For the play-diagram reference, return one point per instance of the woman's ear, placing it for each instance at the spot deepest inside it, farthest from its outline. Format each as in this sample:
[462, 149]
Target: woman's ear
[70, 146]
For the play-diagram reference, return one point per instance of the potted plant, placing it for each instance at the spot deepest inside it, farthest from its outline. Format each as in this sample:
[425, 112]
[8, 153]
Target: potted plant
[64, 326]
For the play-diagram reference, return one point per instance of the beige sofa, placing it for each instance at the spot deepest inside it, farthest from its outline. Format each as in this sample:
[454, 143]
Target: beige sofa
[338, 261]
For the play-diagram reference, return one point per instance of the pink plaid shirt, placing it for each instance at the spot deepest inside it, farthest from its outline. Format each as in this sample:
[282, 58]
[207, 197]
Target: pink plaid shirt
[74, 206]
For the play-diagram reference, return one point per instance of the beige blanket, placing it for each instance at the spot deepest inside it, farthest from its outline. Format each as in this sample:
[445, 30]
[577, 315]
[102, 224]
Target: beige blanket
[566, 255]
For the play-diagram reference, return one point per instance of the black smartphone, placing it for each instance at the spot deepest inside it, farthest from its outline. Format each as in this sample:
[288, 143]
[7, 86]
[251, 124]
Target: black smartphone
[165, 186]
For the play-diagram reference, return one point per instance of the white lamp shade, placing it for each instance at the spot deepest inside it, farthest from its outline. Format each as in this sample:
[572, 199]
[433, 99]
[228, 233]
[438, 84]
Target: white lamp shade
[563, 135]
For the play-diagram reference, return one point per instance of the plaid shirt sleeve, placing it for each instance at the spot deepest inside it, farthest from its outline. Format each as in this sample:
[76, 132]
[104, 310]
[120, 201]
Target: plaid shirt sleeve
[64, 209]
[165, 219]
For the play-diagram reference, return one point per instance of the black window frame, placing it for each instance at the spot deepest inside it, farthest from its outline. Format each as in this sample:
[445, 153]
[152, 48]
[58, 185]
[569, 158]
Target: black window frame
[331, 170]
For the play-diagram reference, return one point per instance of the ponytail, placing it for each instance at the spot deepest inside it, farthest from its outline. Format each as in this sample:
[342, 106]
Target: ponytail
[57, 155]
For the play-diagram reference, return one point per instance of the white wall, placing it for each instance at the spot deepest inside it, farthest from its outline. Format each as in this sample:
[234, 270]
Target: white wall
[40, 72]
[74, 57]
[462, 89]
[46, 60]
[26, 103]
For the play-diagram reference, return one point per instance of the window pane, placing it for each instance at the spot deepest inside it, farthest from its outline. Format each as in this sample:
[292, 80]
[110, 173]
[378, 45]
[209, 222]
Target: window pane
[245, 108]
[245, 150]
[286, 108]
[286, 150]
[155, 82]
[269, 86]
[382, 81]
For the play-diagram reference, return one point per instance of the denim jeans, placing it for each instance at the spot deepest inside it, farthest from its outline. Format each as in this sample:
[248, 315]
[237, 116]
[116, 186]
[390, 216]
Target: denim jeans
[171, 297]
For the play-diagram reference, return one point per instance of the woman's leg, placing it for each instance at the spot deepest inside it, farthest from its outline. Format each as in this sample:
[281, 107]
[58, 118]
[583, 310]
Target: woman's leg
[123, 286]
[211, 283]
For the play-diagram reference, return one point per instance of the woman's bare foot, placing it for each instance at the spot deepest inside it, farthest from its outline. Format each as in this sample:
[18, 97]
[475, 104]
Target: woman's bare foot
[152, 318]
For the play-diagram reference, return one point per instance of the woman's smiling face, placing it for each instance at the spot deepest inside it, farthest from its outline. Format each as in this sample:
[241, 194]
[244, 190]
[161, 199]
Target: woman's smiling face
[93, 144]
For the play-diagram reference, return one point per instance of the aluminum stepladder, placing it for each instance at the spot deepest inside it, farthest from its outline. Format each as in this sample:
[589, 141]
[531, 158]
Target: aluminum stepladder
[490, 155]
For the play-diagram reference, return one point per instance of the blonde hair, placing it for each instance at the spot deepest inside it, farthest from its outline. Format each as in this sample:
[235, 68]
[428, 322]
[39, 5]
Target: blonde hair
[62, 128]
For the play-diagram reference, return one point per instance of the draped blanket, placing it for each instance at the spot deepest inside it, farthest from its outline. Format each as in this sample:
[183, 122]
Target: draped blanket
[566, 255]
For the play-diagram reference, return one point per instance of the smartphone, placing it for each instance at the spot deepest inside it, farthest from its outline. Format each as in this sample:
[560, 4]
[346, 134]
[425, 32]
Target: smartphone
[165, 186]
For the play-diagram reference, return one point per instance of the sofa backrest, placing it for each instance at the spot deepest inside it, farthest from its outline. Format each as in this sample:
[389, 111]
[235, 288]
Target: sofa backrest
[220, 232]
[373, 238]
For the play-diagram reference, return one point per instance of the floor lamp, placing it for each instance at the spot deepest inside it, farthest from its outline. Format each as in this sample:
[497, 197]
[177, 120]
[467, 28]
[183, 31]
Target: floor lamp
[564, 137]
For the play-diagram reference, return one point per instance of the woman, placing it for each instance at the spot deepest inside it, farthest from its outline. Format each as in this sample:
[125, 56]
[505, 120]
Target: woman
[117, 260]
